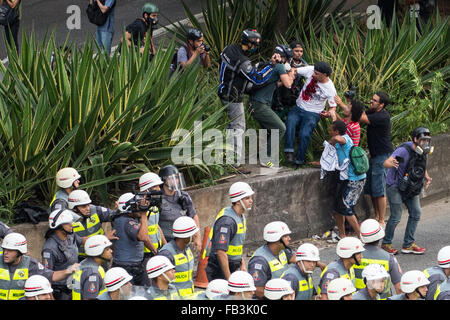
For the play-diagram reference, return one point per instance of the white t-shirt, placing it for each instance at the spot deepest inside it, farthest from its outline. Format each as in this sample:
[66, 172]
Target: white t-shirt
[312, 98]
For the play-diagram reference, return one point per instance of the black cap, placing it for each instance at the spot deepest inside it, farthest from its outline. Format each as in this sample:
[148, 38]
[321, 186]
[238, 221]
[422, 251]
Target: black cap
[323, 67]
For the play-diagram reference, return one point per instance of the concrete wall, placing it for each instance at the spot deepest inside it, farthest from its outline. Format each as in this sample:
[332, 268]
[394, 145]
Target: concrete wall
[298, 198]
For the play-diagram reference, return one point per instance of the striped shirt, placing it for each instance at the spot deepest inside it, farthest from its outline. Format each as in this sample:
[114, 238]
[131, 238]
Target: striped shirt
[353, 131]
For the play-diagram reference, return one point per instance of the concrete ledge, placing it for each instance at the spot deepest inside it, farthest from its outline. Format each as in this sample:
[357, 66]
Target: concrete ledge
[298, 198]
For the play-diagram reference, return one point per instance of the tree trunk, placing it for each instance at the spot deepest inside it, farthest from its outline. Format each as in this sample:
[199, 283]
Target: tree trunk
[281, 17]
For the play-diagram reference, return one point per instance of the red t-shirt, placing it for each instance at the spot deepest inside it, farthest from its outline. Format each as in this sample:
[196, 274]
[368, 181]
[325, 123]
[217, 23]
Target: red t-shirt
[353, 131]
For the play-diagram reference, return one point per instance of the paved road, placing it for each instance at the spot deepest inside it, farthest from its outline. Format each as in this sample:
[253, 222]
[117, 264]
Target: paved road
[46, 16]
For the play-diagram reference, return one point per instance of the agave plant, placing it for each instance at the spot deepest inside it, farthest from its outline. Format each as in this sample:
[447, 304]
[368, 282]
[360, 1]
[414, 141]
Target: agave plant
[110, 117]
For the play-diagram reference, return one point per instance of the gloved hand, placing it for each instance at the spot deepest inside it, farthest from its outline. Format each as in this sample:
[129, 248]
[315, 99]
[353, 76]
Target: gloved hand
[184, 200]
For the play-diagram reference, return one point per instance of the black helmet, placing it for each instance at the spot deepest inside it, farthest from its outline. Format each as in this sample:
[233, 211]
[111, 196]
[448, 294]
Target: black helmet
[420, 132]
[194, 34]
[284, 51]
[166, 171]
[249, 35]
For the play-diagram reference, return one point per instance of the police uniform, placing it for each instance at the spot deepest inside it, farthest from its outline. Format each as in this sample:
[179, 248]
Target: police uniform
[128, 250]
[92, 225]
[154, 293]
[13, 277]
[58, 255]
[401, 296]
[88, 280]
[363, 294]
[172, 209]
[4, 230]
[300, 283]
[443, 291]
[227, 234]
[60, 201]
[184, 267]
[436, 276]
[153, 231]
[374, 254]
[263, 265]
[332, 271]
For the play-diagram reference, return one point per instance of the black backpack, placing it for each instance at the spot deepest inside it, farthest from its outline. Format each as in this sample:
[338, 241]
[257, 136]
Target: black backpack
[95, 15]
[411, 183]
[174, 62]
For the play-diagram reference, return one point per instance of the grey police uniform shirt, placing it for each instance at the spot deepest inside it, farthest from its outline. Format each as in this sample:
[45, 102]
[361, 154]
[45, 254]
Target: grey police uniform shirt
[225, 228]
[437, 276]
[128, 250]
[362, 294]
[59, 254]
[394, 268]
[34, 268]
[259, 268]
[294, 281]
[91, 282]
[4, 230]
[171, 209]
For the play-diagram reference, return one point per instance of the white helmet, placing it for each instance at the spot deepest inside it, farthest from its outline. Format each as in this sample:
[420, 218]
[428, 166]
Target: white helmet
[148, 180]
[411, 280]
[337, 288]
[59, 217]
[308, 252]
[241, 281]
[275, 230]
[374, 271]
[78, 198]
[184, 227]
[443, 257]
[348, 246]
[371, 231]
[95, 245]
[275, 289]
[36, 285]
[115, 278]
[239, 190]
[66, 177]
[157, 265]
[15, 241]
[216, 288]
[123, 199]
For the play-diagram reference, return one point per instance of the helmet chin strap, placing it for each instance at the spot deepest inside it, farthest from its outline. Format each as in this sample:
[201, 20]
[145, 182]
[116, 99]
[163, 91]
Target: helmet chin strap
[166, 277]
[420, 294]
[356, 260]
[243, 206]
[304, 269]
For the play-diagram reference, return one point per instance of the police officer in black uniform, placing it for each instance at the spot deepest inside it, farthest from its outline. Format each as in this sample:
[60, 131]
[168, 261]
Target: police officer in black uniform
[176, 203]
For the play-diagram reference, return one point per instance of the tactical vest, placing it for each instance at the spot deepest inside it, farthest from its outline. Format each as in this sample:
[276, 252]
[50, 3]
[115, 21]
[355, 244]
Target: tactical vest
[443, 287]
[184, 268]
[153, 231]
[88, 227]
[277, 264]
[170, 211]
[380, 257]
[13, 289]
[85, 264]
[236, 246]
[154, 293]
[305, 286]
[343, 273]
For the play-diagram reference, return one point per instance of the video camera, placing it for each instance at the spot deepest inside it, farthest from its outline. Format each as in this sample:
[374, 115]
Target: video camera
[154, 197]
[351, 93]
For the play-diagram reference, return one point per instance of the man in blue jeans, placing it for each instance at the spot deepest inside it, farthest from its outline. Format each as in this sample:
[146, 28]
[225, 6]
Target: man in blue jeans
[408, 155]
[318, 89]
[105, 32]
[378, 122]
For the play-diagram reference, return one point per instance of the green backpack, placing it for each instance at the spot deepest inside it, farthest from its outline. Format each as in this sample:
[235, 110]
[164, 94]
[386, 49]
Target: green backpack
[359, 160]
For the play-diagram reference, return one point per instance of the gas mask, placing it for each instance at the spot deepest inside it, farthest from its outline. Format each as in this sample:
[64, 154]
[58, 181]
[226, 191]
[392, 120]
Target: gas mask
[425, 147]
[152, 23]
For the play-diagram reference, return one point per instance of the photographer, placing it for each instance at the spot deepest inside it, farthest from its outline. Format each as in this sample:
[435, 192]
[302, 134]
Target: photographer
[193, 50]
[132, 230]
[176, 203]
